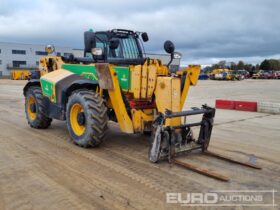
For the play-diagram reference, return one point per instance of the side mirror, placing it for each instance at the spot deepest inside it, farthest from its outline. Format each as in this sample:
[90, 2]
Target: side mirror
[145, 37]
[169, 47]
[49, 49]
[114, 43]
[89, 39]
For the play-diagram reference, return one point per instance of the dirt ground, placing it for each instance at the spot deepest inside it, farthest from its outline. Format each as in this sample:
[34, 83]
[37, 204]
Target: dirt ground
[42, 169]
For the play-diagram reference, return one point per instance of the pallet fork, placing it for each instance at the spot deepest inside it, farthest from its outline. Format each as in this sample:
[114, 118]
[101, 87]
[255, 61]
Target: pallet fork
[171, 141]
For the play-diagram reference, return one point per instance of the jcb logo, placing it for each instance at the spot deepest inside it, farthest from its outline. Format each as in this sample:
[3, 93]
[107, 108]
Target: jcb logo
[124, 78]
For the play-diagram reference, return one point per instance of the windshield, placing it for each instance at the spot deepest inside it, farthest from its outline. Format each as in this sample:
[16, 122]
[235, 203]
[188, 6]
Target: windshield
[128, 49]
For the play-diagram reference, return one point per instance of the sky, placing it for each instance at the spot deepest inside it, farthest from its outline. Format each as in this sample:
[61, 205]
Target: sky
[204, 31]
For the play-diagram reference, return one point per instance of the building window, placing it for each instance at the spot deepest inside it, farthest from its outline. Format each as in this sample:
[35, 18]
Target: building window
[20, 52]
[0, 62]
[0, 51]
[37, 63]
[18, 63]
[67, 54]
[58, 54]
[41, 53]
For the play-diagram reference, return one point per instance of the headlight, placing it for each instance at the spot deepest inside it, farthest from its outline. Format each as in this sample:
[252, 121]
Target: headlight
[49, 49]
[96, 51]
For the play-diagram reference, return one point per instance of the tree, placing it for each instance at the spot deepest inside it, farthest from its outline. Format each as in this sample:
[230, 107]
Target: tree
[248, 67]
[206, 69]
[240, 65]
[274, 64]
[265, 65]
[257, 67]
[215, 66]
[254, 69]
[222, 64]
[232, 66]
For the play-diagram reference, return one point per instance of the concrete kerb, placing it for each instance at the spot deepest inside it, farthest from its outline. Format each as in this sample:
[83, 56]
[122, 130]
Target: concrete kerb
[262, 106]
[268, 107]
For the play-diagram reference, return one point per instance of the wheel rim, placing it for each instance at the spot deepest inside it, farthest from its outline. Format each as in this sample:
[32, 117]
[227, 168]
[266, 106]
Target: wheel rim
[76, 125]
[31, 107]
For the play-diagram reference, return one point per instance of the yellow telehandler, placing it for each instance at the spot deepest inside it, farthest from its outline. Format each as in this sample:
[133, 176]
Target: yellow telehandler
[115, 81]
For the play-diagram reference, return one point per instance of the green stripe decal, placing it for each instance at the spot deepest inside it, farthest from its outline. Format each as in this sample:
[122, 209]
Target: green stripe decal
[89, 72]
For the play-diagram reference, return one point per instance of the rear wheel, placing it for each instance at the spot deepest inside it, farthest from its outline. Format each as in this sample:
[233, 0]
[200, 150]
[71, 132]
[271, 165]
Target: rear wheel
[86, 118]
[35, 110]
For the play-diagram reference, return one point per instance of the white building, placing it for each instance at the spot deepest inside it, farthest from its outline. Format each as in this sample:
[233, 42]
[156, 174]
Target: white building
[26, 56]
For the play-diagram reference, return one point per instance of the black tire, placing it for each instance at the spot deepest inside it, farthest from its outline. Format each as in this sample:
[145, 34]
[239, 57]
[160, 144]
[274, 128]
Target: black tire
[41, 121]
[95, 118]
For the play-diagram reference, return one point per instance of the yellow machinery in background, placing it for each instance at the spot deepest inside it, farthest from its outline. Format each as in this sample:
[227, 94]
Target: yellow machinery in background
[226, 74]
[219, 74]
[20, 74]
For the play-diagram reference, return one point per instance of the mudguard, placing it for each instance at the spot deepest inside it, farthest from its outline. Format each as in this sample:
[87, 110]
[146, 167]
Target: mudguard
[32, 82]
[56, 87]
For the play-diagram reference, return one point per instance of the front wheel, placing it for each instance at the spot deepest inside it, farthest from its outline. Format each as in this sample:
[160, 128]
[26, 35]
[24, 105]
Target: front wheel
[35, 110]
[86, 118]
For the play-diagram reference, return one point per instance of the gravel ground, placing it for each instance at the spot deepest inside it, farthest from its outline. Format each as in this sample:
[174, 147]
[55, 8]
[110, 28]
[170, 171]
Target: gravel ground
[42, 169]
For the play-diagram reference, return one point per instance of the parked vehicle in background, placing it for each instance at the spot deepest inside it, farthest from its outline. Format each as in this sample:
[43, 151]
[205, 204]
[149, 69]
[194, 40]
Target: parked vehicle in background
[257, 75]
[263, 75]
[219, 74]
[237, 75]
[267, 75]
[245, 73]
[19, 74]
[234, 75]
[226, 74]
[230, 75]
[276, 75]
[203, 77]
